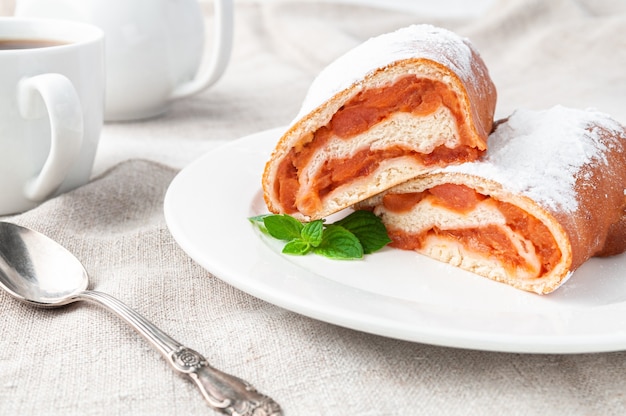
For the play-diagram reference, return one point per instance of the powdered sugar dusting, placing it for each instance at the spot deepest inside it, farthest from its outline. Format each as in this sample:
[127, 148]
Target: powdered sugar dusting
[417, 41]
[540, 153]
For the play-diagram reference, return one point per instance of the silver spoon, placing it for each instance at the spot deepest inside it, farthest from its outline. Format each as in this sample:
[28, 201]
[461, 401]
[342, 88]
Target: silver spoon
[39, 271]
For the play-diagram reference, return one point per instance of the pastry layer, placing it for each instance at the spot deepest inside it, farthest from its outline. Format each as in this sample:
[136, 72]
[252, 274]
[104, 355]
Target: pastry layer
[415, 99]
[475, 225]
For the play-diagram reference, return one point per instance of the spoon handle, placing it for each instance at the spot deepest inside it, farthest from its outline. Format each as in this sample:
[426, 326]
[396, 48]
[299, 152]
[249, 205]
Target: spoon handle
[224, 392]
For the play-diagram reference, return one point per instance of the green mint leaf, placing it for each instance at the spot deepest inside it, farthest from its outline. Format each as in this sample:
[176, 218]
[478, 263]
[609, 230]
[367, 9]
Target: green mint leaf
[258, 221]
[283, 227]
[359, 233]
[368, 228]
[339, 243]
[312, 232]
[297, 247]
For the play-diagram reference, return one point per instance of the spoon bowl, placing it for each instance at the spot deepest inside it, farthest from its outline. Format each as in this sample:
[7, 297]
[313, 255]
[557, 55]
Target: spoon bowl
[37, 270]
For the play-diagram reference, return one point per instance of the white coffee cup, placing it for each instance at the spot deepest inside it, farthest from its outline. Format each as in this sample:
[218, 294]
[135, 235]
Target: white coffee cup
[154, 48]
[51, 108]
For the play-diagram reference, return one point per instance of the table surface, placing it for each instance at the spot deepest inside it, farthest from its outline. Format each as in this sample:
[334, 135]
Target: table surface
[81, 360]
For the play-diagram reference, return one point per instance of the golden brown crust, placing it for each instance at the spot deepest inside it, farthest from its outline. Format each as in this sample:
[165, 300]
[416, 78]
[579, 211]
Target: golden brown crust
[598, 227]
[481, 99]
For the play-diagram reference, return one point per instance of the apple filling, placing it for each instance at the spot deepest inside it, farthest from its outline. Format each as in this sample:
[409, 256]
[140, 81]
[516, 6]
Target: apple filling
[457, 217]
[418, 120]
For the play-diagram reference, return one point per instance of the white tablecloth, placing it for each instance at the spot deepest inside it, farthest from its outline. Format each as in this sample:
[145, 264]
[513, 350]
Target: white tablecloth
[81, 360]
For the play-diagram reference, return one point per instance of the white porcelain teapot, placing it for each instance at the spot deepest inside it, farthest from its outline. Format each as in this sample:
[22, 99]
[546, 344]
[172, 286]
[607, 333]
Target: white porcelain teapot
[154, 48]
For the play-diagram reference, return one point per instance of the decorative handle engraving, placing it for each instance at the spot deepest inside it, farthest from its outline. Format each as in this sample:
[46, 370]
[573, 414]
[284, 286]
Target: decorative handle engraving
[224, 392]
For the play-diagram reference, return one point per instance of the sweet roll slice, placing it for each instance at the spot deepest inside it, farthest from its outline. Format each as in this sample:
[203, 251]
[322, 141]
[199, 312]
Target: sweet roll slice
[549, 194]
[394, 107]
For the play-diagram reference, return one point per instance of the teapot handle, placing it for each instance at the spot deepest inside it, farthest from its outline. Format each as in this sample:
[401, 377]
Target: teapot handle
[220, 52]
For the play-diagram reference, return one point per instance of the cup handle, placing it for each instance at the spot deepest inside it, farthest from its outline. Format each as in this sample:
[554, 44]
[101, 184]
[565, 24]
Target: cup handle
[52, 94]
[220, 52]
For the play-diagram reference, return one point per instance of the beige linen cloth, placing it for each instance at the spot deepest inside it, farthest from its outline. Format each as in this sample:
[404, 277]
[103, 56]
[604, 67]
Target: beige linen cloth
[81, 360]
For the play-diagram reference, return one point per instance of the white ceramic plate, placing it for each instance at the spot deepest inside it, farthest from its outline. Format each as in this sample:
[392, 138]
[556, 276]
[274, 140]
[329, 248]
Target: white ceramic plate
[392, 293]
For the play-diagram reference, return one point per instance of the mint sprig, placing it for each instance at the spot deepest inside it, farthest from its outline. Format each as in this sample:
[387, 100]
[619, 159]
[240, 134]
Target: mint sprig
[359, 233]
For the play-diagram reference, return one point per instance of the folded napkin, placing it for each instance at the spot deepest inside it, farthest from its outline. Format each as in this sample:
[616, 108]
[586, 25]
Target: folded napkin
[81, 360]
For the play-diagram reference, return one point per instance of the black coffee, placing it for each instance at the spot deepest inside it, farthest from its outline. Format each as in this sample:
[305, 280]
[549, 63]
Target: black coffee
[6, 44]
